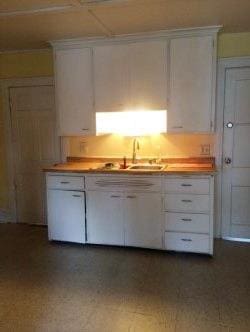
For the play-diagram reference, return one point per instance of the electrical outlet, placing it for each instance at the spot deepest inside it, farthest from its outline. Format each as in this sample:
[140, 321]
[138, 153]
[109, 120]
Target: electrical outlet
[205, 149]
[83, 148]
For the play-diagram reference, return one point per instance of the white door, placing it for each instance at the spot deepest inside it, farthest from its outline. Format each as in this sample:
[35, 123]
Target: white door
[236, 154]
[191, 84]
[148, 75]
[105, 218]
[74, 92]
[66, 216]
[111, 77]
[35, 145]
[143, 220]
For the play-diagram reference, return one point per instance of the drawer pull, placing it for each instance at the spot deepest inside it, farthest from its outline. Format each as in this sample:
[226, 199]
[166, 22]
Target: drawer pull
[186, 200]
[186, 185]
[115, 196]
[186, 240]
[76, 195]
[131, 196]
[64, 182]
[186, 219]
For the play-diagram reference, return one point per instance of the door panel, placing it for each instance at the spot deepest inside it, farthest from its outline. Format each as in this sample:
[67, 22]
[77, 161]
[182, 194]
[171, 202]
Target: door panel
[241, 151]
[35, 145]
[143, 220]
[105, 218]
[191, 89]
[111, 77]
[74, 92]
[66, 215]
[236, 173]
[148, 75]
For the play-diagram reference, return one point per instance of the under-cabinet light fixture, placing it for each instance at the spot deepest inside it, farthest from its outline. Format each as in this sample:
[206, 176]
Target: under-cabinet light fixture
[131, 123]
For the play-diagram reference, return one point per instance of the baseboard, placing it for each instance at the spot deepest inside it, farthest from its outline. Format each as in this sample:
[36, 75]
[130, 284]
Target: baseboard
[4, 216]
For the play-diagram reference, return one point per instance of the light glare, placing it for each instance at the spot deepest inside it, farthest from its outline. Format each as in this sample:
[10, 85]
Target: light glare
[131, 123]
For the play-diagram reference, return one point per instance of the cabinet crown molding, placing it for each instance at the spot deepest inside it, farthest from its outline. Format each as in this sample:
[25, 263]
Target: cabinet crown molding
[142, 36]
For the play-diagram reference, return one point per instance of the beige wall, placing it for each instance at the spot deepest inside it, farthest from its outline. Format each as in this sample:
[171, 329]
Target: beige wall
[40, 63]
[170, 145]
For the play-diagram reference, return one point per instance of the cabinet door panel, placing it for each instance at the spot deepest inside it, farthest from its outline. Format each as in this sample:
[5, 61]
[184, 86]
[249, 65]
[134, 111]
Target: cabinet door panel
[111, 74]
[74, 91]
[105, 218]
[191, 78]
[66, 215]
[143, 220]
[148, 74]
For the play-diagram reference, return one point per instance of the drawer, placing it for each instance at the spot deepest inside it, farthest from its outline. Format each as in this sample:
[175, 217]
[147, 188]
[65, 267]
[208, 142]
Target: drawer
[65, 182]
[186, 185]
[187, 203]
[187, 222]
[189, 242]
[123, 183]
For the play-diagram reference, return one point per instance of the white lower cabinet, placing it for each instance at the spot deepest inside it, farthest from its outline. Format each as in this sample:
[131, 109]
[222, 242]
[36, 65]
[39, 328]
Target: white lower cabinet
[66, 215]
[143, 220]
[188, 204]
[157, 212]
[131, 215]
[187, 242]
[105, 218]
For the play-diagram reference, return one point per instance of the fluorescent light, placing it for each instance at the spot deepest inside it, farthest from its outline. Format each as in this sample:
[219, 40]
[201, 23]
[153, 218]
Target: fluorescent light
[131, 123]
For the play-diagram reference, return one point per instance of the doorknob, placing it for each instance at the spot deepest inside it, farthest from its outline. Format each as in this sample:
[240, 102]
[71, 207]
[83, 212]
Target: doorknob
[228, 160]
[229, 125]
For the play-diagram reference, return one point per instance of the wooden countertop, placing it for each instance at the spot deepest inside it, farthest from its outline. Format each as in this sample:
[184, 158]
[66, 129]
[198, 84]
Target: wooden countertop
[173, 166]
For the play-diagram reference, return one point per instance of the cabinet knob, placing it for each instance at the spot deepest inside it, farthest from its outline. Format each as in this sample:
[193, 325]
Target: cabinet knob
[85, 129]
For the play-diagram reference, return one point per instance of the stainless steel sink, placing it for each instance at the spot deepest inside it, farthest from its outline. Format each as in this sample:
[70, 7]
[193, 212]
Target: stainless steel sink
[146, 167]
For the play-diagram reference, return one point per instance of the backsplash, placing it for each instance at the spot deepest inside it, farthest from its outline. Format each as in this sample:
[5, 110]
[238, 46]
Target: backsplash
[164, 145]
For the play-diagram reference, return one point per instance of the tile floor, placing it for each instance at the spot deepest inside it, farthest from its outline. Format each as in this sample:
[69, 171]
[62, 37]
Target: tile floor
[61, 287]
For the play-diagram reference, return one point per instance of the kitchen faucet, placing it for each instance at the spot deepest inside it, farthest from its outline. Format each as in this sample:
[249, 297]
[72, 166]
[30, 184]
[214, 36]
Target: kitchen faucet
[136, 146]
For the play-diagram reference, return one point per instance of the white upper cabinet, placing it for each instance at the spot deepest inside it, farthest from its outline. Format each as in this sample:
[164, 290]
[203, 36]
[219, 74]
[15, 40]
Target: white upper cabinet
[111, 76]
[148, 74]
[130, 76]
[172, 70]
[74, 91]
[192, 73]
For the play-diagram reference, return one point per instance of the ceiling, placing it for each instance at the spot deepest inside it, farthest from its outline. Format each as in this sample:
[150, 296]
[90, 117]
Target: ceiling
[28, 24]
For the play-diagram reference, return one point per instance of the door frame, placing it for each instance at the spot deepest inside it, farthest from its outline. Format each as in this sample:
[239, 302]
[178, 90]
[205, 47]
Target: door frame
[5, 85]
[224, 64]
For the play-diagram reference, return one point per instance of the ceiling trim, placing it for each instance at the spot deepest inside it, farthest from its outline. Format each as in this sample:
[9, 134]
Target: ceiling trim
[35, 11]
[175, 33]
[30, 50]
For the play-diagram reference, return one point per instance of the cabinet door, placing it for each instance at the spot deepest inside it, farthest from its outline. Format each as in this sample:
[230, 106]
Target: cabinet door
[143, 220]
[148, 75]
[111, 78]
[191, 84]
[105, 218]
[66, 215]
[74, 91]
